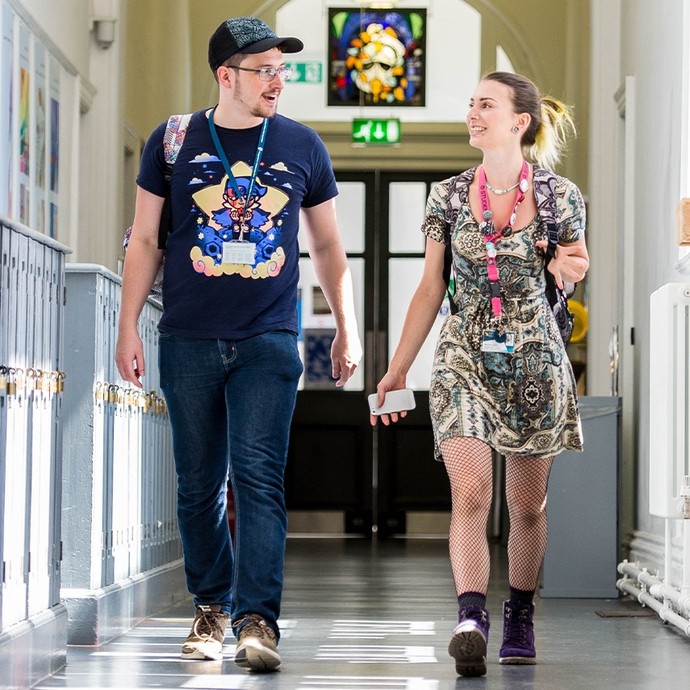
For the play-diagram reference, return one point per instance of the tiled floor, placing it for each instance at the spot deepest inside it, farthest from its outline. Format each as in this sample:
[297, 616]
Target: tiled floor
[361, 614]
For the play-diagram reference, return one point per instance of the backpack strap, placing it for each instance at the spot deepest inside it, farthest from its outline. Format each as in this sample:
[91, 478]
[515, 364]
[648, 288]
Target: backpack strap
[545, 193]
[173, 138]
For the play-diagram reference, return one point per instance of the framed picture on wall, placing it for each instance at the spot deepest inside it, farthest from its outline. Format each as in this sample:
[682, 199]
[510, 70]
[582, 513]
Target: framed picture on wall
[54, 151]
[29, 125]
[376, 57]
[25, 137]
[6, 112]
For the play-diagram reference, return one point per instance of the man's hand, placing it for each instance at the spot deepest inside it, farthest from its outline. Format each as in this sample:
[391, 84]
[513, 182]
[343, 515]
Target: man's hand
[346, 352]
[129, 357]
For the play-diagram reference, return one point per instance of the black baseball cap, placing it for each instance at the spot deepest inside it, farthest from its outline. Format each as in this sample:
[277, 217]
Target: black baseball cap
[246, 35]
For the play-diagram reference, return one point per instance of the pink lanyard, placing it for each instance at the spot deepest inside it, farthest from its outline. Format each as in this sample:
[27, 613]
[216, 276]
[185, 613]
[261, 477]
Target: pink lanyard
[491, 236]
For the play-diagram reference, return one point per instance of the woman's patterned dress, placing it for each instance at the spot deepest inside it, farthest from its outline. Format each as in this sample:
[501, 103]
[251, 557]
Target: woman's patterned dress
[520, 403]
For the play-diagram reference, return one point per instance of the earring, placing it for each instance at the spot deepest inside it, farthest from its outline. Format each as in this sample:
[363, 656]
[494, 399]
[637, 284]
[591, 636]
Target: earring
[515, 129]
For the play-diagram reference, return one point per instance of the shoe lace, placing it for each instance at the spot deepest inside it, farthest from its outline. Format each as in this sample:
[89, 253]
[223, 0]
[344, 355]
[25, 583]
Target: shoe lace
[476, 614]
[516, 626]
[208, 624]
[254, 626]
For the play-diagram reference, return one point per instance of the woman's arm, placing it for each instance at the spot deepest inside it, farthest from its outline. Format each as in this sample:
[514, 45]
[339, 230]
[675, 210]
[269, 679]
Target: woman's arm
[421, 314]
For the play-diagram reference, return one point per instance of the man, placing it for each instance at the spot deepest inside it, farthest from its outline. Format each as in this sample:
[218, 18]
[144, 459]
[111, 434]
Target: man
[229, 365]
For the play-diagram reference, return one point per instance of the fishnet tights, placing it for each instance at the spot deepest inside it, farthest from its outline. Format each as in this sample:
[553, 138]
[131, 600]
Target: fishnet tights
[469, 466]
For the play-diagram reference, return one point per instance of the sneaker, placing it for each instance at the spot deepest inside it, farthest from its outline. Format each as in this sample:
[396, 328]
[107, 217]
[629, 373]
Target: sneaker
[256, 644]
[518, 634]
[205, 641]
[468, 643]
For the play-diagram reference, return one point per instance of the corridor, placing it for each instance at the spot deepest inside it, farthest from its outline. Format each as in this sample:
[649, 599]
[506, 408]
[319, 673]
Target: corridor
[362, 614]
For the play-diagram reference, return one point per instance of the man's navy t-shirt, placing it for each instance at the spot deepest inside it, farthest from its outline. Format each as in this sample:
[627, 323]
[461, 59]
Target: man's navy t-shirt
[204, 297]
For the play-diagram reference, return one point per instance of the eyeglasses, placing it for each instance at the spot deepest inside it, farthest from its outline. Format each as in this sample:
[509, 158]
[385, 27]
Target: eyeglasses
[268, 73]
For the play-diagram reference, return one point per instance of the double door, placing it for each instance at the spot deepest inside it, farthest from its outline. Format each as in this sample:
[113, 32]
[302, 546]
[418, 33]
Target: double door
[369, 480]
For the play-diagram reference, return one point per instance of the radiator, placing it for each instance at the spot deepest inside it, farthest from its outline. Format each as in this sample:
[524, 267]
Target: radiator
[669, 408]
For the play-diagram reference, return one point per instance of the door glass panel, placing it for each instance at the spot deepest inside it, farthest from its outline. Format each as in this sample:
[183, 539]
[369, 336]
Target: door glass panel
[404, 275]
[317, 327]
[350, 209]
[407, 202]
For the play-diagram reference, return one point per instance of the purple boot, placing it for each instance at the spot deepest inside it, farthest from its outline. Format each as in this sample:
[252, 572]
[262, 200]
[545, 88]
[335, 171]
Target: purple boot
[468, 643]
[518, 634]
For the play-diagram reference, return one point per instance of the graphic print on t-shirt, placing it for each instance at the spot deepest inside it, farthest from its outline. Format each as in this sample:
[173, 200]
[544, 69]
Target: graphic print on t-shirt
[219, 212]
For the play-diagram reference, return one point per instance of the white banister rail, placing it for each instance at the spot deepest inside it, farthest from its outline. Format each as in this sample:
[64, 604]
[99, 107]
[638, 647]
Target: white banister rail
[119, 516]
[32, 378]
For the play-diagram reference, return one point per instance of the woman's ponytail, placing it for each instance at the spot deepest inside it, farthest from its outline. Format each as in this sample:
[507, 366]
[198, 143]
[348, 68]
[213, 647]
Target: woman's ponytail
[552, 133]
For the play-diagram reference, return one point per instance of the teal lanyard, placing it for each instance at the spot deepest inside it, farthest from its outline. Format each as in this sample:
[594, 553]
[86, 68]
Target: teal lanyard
[226, 165]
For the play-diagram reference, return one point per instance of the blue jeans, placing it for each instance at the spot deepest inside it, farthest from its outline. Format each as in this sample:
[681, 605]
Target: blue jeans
[230, 405]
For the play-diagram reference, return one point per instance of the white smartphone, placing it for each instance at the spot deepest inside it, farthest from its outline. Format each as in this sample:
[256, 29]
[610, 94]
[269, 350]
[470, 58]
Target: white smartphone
[395, 401]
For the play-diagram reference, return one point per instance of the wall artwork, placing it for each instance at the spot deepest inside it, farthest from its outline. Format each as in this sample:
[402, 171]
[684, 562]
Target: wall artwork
[38, 215]
[6, 112]
[376, 57]
[29, 125]
[25, 135]
[54, 151]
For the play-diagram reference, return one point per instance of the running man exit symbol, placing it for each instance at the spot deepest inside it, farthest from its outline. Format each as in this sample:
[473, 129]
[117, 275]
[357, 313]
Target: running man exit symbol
[375, 131]
[305, 72]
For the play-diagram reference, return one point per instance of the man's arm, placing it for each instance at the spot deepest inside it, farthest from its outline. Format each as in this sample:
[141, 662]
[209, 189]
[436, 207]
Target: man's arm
[141, 265]
[333, 273]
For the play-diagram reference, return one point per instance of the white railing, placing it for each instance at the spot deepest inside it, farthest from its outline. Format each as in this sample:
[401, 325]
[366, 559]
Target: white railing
[32, 379]
[119, 515]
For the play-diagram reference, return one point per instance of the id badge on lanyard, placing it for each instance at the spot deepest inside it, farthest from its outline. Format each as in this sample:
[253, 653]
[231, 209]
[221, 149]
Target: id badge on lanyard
[493, 341]
[239, 251]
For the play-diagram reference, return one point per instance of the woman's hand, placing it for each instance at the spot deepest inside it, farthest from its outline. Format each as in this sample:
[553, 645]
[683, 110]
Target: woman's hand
[390, 382]
[570, 263]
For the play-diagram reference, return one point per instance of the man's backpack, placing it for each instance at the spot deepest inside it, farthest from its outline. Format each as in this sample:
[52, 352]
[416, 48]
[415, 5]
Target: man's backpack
[173, 138]
[545, 194]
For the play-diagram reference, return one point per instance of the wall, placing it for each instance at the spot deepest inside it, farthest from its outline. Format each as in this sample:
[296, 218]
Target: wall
[653, 51]
[64, 22]
[158, 62]
[166, 68]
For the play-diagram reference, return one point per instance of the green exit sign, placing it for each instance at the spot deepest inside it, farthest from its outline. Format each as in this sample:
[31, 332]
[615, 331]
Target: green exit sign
[375, 131]
[306, 72]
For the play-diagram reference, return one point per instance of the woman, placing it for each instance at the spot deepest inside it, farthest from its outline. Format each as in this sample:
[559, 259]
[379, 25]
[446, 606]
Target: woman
[501, 377]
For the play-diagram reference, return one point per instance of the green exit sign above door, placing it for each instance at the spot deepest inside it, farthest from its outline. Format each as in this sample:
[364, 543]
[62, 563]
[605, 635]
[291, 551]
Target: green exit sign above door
[375, 131]
[305, 72]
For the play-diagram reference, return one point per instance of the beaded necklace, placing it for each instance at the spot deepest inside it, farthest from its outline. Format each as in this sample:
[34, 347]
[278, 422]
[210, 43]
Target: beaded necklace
[502, 191]
[491, 236]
